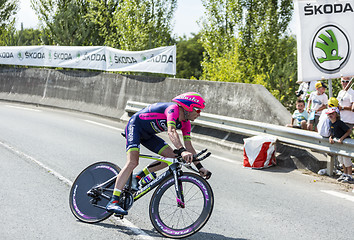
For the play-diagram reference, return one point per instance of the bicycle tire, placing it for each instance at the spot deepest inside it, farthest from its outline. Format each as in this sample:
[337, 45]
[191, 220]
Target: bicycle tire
[80, 202]
[199, 203]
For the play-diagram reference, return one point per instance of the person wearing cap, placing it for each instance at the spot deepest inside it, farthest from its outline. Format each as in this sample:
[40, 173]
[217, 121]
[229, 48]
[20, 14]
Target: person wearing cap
[323, 122]
[346, 102]
[338, 129]
[317, 102]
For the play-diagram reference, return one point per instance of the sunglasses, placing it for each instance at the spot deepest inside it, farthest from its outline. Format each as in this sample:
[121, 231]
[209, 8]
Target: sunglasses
[345, 81]
[198, 110]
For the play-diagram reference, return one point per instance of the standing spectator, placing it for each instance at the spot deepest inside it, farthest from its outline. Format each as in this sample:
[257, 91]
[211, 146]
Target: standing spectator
[346, 102]
[300, 116]
[317, 102]
[341, 131]
[305, 89]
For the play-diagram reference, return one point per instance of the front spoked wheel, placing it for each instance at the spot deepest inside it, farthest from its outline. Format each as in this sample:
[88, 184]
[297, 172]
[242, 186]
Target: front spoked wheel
[173, 221]
[87, 198]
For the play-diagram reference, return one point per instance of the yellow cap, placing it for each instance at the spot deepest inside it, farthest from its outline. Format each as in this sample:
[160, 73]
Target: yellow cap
[333, 102]
[320, 84]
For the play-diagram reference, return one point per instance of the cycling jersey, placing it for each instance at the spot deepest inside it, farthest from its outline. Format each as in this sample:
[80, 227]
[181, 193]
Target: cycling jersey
[145, 124]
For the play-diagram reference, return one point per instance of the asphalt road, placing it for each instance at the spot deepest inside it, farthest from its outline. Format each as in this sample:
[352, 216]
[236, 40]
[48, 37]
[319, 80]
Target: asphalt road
[43, 150]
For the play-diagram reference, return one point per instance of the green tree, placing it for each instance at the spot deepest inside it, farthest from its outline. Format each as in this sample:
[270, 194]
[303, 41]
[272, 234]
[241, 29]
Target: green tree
[143, 24]
[246, 41]
[101, 15]
[189, 57]
[27, 37]
[66, 23]
[124, 24]
[8, 10]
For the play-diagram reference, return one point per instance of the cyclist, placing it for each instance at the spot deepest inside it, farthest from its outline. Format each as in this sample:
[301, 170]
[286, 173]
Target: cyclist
[142, 129]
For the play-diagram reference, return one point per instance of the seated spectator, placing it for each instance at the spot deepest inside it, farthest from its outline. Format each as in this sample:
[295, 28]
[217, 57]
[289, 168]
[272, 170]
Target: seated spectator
[300, 116]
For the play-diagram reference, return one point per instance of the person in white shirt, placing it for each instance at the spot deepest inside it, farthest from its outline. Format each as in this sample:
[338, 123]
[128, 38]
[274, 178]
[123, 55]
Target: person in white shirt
[346, 102]
[323, 127]
[317, 102]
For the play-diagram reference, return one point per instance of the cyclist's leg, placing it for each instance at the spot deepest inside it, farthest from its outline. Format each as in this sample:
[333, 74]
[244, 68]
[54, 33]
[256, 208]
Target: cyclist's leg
[155, 166]
[133, 142]
[159, 146]
[124, 174]
[122, 178]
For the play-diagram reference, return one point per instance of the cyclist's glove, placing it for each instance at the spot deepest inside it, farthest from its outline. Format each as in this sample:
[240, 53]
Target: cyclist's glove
[178, 152]
[208, 175]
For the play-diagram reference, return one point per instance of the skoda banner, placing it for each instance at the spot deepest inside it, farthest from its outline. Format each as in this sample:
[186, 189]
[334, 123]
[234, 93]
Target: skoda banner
[158, 60]
[325, 35]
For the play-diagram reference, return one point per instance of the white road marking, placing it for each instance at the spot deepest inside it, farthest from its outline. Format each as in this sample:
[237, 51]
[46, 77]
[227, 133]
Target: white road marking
[226, 159]
[340, 195]
[140, 233]
[23, 108]
[104, 125]
[24, 155]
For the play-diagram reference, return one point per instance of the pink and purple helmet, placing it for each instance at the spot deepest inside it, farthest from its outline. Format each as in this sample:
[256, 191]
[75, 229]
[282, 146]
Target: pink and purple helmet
[189, 101]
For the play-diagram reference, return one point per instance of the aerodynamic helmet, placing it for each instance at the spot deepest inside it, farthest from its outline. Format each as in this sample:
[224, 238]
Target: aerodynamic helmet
[190, 100]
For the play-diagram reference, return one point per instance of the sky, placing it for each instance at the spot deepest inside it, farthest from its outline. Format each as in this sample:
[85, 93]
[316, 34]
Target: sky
[185, 22]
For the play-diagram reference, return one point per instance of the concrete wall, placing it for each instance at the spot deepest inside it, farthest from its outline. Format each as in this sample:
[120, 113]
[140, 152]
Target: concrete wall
[107, 93]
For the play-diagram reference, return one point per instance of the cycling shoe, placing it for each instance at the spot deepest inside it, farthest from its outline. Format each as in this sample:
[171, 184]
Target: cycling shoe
[113, 206]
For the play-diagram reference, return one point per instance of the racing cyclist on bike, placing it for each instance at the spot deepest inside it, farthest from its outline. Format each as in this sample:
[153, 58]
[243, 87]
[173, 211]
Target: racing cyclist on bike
[142, 129]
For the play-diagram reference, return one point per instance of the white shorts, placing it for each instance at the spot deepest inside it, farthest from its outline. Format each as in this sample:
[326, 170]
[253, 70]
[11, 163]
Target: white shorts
[346, 161]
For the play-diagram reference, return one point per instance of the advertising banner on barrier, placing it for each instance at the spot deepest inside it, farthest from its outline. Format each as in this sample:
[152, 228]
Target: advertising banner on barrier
[158, 60]
[325, 36]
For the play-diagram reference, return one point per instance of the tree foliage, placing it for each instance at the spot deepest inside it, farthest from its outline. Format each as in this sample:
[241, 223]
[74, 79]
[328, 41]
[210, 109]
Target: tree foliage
[66, 23]
[246, 41]
[8, 9]
[27, 37]
[189, 57]
[143, 24]
[124, 24]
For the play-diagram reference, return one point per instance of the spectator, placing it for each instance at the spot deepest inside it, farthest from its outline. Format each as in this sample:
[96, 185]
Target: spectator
[323, 122]
[317, 102]
[305, 89]
[300, 116]
[346, 102]
[340, 130]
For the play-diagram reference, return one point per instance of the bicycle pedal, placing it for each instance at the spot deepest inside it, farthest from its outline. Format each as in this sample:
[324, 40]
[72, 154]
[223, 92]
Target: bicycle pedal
[119, 216]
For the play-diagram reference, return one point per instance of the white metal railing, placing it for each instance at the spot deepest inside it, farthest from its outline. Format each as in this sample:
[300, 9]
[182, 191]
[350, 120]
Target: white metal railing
[292, 136]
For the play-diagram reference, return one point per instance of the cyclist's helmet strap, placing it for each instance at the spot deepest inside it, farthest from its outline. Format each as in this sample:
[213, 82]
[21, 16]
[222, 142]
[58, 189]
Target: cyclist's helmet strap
[190, 100]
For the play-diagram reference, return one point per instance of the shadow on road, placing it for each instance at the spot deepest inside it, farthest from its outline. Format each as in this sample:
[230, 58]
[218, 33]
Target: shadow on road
[153, 233]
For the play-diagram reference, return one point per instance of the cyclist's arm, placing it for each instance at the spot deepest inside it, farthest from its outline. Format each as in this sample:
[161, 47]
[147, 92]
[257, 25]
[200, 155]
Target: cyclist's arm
[189, 147]
[174, 137]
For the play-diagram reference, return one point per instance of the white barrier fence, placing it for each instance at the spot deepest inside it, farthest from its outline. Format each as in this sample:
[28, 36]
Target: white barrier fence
[157, 60]
[292, 136]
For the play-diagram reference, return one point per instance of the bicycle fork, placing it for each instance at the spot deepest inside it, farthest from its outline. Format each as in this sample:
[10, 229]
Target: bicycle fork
[178, 186]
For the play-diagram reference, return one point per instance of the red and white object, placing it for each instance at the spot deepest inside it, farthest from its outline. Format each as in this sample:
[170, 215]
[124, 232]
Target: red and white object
[259, 152]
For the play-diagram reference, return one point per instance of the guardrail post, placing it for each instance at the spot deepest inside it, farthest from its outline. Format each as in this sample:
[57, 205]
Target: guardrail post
[330, 164]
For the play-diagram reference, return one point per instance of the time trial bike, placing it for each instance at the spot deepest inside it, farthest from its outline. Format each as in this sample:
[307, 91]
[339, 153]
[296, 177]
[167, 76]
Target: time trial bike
[180, 206]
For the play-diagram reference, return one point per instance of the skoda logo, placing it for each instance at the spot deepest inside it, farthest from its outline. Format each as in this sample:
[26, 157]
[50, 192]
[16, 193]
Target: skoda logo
[20, 55]
[330, 49]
